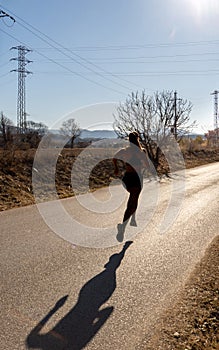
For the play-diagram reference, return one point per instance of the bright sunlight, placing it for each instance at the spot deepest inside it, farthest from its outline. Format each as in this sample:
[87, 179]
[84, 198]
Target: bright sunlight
[203, 8]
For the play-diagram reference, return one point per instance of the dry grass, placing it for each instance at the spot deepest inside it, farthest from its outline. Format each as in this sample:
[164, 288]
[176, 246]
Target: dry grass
[16, 173]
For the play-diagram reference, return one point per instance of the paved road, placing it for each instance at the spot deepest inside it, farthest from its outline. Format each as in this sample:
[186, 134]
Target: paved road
[55, 295]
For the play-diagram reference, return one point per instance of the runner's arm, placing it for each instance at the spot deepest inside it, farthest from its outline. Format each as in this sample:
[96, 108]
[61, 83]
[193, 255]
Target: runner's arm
[118, 156]
[144, 160]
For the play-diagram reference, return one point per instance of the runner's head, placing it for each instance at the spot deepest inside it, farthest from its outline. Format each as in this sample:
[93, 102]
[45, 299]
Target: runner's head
[134, 138]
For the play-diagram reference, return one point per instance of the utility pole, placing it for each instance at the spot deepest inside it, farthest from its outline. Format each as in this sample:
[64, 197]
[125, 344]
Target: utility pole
[174, 126]
[21, 96]
[215, 93]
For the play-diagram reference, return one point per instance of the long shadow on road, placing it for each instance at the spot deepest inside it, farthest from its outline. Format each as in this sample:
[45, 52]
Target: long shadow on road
[85, 319]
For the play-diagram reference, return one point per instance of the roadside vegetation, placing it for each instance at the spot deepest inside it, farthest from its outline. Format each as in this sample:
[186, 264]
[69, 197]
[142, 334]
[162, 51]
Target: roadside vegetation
[16, 172]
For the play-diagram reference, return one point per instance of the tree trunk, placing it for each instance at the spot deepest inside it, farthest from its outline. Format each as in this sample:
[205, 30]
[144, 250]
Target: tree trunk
[72, 142]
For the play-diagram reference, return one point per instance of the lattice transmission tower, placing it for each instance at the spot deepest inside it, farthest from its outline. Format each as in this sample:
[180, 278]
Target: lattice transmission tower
[215, 93]
[21, 94]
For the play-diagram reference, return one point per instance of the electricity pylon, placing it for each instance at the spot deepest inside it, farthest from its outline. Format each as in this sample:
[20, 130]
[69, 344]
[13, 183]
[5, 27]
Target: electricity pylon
[21, 95]
[215, 93]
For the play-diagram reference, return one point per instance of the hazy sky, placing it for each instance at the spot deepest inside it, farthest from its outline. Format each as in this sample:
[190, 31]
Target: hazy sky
[89, 52]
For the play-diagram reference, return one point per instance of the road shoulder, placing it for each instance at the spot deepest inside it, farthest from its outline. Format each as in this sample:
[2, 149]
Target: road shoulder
[192, 323]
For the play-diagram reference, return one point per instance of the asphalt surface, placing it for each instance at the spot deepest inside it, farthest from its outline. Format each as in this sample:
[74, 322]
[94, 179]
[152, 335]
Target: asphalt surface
[58, 295]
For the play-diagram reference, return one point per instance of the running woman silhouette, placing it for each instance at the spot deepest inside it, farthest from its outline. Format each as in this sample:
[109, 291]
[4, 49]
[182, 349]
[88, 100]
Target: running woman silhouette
[135, 159]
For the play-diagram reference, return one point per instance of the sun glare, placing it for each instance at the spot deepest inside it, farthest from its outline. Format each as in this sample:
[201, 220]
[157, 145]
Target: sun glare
[203, 8]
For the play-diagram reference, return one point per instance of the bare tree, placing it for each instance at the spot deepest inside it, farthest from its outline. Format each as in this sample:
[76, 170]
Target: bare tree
[153, 117]
[39, 128]
[5, 129]
[70, 129]
[212, 137]
[34, 133]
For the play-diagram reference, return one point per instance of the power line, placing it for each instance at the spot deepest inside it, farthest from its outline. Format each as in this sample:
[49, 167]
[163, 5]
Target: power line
[73, 53]
[106, 61]
[154, 57]
[190, 73]
[148, 74]
[146, 46]
[66, 68]
[105, 74]
[123, 47]
[160, 73]
[72, 58]
[119, 75]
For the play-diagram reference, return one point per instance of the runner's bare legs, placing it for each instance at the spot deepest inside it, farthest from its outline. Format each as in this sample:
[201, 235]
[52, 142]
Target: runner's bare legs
[130, 212]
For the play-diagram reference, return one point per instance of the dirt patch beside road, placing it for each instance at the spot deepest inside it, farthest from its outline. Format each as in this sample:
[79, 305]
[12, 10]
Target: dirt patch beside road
[16, 174]
[193, 322]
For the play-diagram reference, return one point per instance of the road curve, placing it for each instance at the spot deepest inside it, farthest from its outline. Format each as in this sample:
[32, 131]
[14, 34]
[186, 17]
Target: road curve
[55, 295]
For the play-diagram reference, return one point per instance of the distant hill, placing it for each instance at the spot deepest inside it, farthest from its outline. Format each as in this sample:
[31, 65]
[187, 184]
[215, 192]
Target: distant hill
[193, 136]
[98, 134]
[93, 134]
